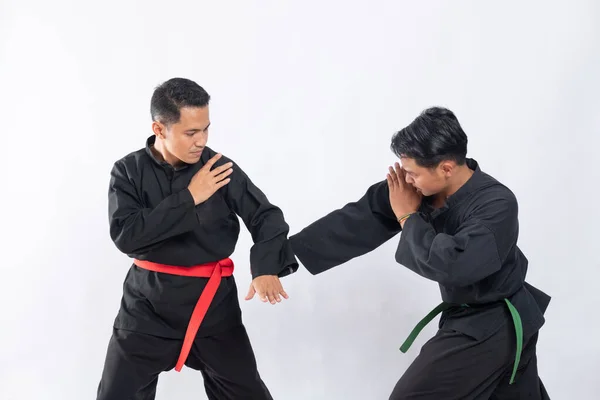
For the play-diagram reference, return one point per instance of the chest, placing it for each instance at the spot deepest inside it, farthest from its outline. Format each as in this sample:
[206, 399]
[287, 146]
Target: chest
[157, 184]
[445, 219]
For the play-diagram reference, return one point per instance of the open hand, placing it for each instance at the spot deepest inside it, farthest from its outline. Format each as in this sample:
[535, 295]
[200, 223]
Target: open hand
[404, 198]
[206, 181]
[268, 288]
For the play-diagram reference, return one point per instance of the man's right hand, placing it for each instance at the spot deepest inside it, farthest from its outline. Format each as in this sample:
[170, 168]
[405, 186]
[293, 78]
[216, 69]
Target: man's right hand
[206, 182]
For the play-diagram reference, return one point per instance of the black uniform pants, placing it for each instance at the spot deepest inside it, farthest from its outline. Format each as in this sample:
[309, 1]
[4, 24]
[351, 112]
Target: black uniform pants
[453, 365]
[226, 361]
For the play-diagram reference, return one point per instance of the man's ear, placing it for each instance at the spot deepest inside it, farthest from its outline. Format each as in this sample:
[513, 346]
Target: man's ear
[447, 167]
[159, 129]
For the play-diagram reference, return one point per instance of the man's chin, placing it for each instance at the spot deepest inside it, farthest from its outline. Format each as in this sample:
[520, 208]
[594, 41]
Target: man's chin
[192, 158]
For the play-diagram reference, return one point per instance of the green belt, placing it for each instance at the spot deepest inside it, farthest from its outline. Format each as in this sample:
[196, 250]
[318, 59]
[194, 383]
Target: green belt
[445, 306]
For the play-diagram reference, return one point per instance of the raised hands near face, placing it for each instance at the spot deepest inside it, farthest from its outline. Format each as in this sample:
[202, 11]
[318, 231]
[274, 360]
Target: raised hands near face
[404, 198]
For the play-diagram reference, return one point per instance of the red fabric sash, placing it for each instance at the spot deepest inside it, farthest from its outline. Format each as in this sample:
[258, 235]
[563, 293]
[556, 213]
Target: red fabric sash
[214, 271]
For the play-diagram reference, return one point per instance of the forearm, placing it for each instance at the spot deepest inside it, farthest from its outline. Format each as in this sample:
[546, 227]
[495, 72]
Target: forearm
[273, 255]
[138, 230]
[349, 232]
[452, 260]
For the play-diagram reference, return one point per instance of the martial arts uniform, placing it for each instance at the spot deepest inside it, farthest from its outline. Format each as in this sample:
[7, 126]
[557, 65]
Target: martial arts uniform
[490, 317]
[153, 219]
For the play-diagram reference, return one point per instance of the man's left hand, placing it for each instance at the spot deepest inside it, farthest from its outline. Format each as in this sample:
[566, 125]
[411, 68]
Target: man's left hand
[404, 198]
[268, 287]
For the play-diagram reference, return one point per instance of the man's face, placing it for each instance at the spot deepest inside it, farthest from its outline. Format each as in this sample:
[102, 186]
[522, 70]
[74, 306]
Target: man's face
[185, 140]
[428, 181]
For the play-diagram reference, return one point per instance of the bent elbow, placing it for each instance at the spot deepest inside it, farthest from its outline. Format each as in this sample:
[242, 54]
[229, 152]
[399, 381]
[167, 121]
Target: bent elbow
[124, 245]
[122, 240]
[450, 280]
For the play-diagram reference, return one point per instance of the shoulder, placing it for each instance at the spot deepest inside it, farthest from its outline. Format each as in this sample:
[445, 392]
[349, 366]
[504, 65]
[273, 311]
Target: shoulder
[492, 200]
[131, 164]
[209, 153]
[494, 190]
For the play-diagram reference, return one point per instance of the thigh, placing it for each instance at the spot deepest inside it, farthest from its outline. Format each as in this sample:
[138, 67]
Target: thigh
[228, 366]
[133, 363]
[453, 365]
[528, 384]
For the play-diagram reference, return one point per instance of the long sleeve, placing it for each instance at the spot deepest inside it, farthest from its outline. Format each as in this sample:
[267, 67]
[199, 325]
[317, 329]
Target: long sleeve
[271, 253]
[136, 229]
[475, 251]
[351, 231]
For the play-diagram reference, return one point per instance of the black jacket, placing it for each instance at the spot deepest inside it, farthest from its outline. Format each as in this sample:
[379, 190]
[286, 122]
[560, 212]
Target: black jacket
[152, 217]
[469, 246]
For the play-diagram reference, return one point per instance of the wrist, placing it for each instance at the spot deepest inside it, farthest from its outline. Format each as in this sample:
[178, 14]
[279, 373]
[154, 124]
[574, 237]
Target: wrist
[405, 216]
[196, 202]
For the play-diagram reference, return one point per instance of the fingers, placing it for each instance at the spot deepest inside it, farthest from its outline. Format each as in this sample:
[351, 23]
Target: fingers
[269, 289]
[284, 294]
[400, 173]
[223, 175]
[224, 182]
[274, 297]
[392, 177]
[225, 167]
[262, 295]
[389, 181]
[282, 291]
[251, 293]
[277, 292]
[212, 161]
[271, 295]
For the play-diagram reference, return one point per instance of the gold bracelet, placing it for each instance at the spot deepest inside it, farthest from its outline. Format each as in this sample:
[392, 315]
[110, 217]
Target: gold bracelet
[404, 217]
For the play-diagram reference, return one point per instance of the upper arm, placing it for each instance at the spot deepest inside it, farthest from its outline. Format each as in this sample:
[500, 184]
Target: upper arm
[474, 251]
[122, 195]
[263, 219]
[498, 216]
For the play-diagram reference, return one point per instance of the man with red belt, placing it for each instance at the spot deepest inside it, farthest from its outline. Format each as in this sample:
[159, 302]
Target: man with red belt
[173, 208]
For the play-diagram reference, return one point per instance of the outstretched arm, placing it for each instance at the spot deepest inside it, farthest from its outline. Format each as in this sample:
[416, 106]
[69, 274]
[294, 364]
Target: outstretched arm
[351, 231]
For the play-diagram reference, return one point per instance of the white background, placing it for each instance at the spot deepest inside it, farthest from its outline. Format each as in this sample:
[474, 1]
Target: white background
[306, 96]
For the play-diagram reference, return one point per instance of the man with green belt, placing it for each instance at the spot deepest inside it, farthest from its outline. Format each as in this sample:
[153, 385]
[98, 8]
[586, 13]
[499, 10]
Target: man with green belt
[459, 228]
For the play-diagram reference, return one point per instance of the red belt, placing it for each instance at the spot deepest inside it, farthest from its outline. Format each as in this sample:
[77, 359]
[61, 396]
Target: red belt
[214, 271]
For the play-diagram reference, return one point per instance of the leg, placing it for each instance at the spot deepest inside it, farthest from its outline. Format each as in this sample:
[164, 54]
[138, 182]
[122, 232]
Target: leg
[528, 384]
[453, 365]
[228, 366]
[133, 363]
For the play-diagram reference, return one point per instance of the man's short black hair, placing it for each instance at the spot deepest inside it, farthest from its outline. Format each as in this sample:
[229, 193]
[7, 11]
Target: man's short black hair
[434, 136]
[174, 94]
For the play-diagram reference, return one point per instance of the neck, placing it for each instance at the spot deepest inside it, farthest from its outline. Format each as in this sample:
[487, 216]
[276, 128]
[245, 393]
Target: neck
[160, 151]
[464, 173]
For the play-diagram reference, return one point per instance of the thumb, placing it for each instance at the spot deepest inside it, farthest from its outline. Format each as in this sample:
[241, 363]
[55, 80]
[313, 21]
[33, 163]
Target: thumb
[251, 292]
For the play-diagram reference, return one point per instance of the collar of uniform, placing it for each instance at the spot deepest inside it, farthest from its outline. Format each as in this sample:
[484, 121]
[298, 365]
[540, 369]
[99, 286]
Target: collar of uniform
[465, 190]
[149, 143]
[469, 185]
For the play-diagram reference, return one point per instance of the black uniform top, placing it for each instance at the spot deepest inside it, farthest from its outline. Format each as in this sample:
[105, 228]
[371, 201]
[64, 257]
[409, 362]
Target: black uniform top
[469, 246]
[153, 217]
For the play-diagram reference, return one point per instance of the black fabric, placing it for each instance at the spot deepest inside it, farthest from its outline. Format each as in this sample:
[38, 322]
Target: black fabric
[152, 217]
[134, 362]
[453, 366]
[468, 246]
